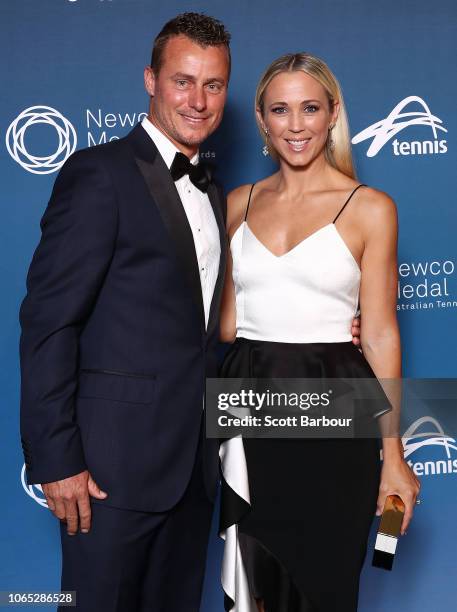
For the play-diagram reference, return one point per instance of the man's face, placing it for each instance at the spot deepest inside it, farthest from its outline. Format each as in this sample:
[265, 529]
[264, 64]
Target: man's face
[189, 92]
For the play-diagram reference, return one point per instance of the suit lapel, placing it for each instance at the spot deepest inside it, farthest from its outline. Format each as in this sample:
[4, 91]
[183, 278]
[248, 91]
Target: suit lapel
[218, 209]
[165, 195]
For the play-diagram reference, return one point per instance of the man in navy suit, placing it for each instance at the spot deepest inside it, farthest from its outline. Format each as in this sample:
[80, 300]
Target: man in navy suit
[119, 331]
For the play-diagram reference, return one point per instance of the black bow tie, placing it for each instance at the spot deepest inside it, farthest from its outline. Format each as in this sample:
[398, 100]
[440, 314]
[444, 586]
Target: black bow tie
[200, 175]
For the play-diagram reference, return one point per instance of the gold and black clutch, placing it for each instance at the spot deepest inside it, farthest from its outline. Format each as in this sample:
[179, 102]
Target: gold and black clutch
[388, 532]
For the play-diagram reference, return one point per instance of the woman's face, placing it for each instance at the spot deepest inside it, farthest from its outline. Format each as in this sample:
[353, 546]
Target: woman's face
[297, 117]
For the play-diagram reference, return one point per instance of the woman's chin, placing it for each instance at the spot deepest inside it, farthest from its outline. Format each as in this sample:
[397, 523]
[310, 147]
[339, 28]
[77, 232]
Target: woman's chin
[296, 160]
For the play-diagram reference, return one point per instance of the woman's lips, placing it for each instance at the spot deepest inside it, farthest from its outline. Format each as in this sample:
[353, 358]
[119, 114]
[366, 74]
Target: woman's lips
[297, 145]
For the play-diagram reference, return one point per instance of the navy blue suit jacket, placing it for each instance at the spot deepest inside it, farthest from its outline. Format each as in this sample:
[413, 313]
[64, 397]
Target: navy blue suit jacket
[114, 350]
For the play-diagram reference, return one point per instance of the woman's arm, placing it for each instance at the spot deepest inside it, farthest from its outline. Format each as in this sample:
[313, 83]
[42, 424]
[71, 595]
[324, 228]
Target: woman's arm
[380, 337]
[236, 206]
[228, 307]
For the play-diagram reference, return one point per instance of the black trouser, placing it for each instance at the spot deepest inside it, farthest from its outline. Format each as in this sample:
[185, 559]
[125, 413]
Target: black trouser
[139, 561]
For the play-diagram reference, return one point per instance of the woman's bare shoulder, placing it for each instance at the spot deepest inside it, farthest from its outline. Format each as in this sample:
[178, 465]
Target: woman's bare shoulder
[376, 209]
[238, 195]
[237, 201]
[377, 202]
[238, 198]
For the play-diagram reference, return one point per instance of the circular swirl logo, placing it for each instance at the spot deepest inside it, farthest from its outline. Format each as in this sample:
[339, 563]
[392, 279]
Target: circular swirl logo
[35, 115]
[34, 491]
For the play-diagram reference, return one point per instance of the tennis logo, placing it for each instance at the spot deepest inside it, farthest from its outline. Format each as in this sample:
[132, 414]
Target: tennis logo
[41, 115]
[383, 131]
[413, 441]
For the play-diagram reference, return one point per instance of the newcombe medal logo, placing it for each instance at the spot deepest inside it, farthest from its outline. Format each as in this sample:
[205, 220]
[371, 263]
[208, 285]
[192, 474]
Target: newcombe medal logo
[34, 491]
[383, 131]
[41, 115]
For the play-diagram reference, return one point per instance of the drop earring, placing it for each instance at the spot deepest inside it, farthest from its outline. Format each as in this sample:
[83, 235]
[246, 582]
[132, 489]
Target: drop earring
[331, 142]
[265, 149]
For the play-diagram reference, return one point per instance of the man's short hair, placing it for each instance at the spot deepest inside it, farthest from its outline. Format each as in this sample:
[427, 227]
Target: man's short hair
[201, 29]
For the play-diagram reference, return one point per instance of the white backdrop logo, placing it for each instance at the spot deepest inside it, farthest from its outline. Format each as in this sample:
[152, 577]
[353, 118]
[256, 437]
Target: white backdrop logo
[413, 441]
[37, 115]
[427, 285]
[383, 131]
[34, 491]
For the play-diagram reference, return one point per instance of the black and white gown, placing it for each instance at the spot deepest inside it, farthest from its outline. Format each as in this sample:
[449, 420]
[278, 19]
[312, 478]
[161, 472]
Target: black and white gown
[296, 513]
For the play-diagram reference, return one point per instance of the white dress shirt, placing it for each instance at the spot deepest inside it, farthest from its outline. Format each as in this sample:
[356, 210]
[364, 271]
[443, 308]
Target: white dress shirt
[200, 215]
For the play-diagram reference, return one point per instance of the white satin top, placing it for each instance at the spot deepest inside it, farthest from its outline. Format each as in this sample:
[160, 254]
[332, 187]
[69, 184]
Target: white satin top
[309, 294]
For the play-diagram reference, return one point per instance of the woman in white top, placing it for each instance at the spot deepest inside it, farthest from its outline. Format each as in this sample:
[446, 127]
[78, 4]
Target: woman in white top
[308, 245]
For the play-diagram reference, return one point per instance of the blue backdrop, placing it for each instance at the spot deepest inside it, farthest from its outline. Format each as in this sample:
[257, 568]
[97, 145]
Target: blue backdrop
[72, 77]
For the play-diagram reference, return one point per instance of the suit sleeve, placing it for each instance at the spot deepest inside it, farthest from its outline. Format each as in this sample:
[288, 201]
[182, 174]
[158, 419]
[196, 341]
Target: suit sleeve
[79, 231]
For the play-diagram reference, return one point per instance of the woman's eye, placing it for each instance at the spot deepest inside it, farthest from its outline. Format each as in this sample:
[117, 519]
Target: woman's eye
[278, 110]
[311, 108]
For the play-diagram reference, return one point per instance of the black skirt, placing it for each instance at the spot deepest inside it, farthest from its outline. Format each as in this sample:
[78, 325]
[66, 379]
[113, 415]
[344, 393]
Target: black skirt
[303, 536]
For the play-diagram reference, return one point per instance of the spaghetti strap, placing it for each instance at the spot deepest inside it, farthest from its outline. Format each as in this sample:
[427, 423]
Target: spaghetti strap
[249, 201]
[347, 201]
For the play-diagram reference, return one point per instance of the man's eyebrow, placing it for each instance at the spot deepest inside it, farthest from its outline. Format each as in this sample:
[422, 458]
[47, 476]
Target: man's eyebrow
[215, 80]
[189, 77]
[181, 75]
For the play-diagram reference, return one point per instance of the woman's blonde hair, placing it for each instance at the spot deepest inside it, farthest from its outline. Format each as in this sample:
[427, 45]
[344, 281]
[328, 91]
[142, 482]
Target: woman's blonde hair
[340, 155]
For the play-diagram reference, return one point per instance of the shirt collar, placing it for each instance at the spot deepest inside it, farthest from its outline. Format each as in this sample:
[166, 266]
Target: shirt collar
[166, 148]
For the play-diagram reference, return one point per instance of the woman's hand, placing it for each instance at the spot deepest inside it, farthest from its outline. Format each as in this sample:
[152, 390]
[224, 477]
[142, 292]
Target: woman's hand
[355, 331]
[397, 478]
